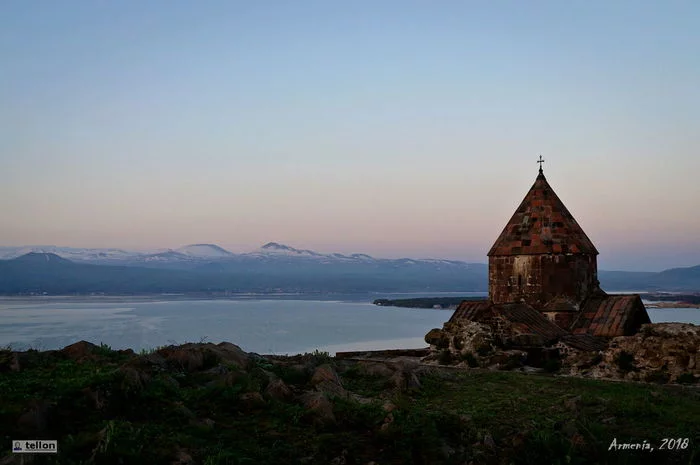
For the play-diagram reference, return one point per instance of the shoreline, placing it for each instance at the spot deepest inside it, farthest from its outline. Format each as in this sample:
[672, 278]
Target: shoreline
[358, 297]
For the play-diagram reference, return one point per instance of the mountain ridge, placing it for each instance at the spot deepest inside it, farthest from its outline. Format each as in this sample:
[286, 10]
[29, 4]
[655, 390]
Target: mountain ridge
[202, 251]
[193, 254]
[280, 268]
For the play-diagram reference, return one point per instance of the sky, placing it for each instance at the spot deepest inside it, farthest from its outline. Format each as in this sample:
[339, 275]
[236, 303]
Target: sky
[394, 128]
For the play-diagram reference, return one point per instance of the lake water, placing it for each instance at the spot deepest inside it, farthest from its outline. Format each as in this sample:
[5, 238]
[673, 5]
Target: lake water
[279, 326]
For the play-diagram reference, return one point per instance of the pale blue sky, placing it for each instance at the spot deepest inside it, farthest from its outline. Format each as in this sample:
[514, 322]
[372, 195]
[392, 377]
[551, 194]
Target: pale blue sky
[395, 128]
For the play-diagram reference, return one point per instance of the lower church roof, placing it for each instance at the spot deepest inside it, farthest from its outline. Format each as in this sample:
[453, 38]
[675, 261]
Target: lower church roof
[610, 315]
[601, 316]
[524, 318]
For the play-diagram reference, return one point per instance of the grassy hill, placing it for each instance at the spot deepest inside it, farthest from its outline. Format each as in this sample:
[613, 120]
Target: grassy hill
[214, 405]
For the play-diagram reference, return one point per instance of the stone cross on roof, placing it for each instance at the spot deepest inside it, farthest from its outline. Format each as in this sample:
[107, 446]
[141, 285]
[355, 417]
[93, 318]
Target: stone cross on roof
[540, 161]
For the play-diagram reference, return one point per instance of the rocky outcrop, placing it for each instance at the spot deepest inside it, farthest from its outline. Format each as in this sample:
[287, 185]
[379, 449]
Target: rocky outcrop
[461, 338]
[195, 357]
[325, 379]
[661, 352]
[278, 390]
[319, 408]
[465, 342]
[80, 351]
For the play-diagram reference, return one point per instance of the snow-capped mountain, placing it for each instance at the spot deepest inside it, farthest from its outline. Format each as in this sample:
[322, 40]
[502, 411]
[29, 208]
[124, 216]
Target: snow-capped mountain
[166, 256]
[204, 251]
[71, 253]
[198, 254]
[281, 250]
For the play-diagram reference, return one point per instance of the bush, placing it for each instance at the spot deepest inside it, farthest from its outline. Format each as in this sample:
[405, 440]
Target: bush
[470, 359]
[445, 357]
[687, 378]
[484, 350]
[552, 365]
[658, 376]
[317, 358]
[625, 361]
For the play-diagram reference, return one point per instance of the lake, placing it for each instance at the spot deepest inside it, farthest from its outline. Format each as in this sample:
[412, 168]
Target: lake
[282, 325]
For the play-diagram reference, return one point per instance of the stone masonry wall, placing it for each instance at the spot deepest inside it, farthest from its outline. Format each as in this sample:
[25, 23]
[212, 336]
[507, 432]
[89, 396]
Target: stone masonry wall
[536, 279]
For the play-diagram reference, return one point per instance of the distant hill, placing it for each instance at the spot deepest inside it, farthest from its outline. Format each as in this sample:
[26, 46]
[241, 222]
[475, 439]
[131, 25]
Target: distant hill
[204, 251]
[273, 267]
[678, 279]
[47, 273]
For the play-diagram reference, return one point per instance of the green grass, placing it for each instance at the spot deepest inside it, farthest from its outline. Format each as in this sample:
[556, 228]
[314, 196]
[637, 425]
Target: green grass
[558, 419]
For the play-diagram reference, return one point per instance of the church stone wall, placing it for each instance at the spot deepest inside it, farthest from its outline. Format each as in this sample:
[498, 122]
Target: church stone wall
[536, 279]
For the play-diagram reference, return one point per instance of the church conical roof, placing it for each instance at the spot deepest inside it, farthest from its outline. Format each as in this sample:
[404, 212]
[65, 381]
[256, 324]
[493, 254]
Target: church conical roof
[542, 225]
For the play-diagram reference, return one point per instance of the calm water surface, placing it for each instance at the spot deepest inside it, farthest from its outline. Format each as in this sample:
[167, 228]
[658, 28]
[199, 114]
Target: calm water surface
[278, 326]
[263, 326]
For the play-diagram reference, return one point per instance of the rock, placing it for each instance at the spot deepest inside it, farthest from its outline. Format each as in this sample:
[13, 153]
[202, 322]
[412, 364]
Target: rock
[360, 399]
[36, 420]
[232, 354]
[133, 379]
[519, 440]
[169, 381]
[195, 357]
[182, 457]
[325, 372]
[462, 338]
[489, 443]
[659, 352]
[412, 382]
[526, 340]
[577, 439]
[183, 411]
[398, 380]
[9, 361]
[389, 406]
[341, 459]
[278, 390]
[80, 351]
[18, 459]
[508, 359]
[446, 450]
[319, 407]
[251, 400]
[376, 369]
[263, 376]
[569, 429]
[406, 364]
[325, 379]
[405, 381]
[386, 424]
[232, 378]
[218, 370]
[437, 338]
[94, 398]
[205, 423]
[573, 403]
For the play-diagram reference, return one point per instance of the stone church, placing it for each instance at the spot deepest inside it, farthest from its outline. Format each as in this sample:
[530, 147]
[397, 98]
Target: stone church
[543, 280]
